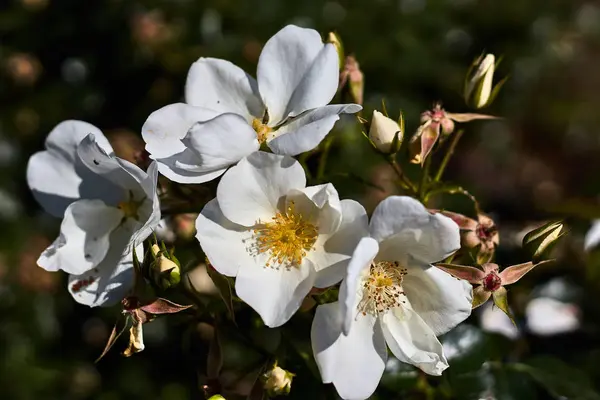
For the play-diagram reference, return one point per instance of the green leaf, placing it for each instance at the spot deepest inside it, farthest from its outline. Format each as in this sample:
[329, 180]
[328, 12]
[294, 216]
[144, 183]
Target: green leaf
[222, 283]
[558, 378]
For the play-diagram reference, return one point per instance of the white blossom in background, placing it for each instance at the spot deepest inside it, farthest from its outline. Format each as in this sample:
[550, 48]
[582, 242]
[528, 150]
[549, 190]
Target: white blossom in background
[547, 316]
[391, 295]
[492, 319]
[278, 237]
[228, 114]
[592, 237]
[108, 206]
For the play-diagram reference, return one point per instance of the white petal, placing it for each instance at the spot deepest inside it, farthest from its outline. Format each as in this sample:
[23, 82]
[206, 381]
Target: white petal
[106, 284]
[306, 131]
[52, 175]
[84, 237]
[547, 316]
[337, 249]
[275, 294]
[185, 167]
[223, 87]
[115, 170]
[592, 237]
[365, 252]
[296, 72]
[441, 300]
[493, 319]
[221, 141]
[353, 363]
[252, 189]
[413, 342]
[165, 127]
[149, 212]
[222, 241]
[404, 227]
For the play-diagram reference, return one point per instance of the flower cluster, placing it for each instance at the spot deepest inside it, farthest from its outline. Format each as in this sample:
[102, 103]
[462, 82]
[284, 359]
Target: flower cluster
[280, 238]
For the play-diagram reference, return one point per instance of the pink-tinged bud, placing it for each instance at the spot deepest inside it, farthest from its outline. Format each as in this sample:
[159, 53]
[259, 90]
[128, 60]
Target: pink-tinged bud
[352, 74]
[447, 126]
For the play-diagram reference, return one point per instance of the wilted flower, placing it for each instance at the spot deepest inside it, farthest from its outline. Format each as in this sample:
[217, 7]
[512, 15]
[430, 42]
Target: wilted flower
[108, 205]
[489, 281]
[479, 86]
[229, 115]
[277, 381]
[391, 294]
[481, 235]
[434, 122]
[385, 132]
[352, 74]
[278, 237]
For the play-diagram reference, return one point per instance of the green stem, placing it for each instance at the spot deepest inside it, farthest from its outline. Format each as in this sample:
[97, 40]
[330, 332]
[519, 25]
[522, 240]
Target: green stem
[407, 184]
[323, 160]
[423, 182]
[448, 155]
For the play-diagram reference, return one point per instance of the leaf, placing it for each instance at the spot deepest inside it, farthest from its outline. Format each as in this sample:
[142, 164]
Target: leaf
[113, 337]
[480, 296]
[501, 301]
[222, 283]
[214, 360]
[559, 379]
[163, 306]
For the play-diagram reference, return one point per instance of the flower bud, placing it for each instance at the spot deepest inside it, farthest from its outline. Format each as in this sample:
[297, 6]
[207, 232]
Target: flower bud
[217, 397]
[479, 89]
[277, 381]
[335, 40]
[165, 268]
[540, 241]
[385, 133]
[355, 78]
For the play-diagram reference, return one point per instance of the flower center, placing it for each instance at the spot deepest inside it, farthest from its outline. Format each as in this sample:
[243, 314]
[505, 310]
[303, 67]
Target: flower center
[382, 288]
[287, 238]
[130, 207]
[262, 130]
[485, 232]
[492, 282]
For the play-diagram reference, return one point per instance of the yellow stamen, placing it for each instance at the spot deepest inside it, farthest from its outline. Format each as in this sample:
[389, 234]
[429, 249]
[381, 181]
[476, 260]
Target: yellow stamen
[262, 130]
[287, 238]
[382, 288]
[130, 208]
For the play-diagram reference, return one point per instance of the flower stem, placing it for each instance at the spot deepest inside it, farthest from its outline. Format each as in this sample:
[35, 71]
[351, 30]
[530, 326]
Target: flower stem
[448, 155]
[323, 160]
[406, 183]
[423, 183]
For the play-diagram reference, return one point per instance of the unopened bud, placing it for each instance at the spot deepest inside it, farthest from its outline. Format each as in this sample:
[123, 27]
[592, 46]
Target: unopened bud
[540, 241]
[277, 381]
[217, 397]
[479, 87]
[352, 75]
[335, 40]
[165, 268]
[385, 133]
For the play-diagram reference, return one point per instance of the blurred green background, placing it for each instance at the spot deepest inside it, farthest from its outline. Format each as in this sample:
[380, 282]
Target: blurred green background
[113, 62]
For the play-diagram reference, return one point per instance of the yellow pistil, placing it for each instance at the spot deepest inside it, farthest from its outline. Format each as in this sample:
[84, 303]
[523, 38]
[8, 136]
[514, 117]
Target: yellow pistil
[382, 288]
[287, 238]
[262, 130]
[130, 208]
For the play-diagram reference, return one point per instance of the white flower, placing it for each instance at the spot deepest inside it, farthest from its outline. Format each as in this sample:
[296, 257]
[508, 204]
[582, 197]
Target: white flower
[592, 237]
[547, 316]
[108, 206]
[228, 114]
[278, 237]
[391, 294]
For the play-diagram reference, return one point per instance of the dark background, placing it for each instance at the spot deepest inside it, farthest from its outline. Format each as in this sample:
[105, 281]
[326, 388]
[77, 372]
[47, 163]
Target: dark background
[113, 62]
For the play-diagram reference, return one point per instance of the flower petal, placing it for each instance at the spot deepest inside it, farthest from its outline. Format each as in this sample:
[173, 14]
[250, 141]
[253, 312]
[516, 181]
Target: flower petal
[252, 189]
[365, 252]
[221, 86]
[275, 294]
[221, 141]
[53, 175]
[185, 167]
[592, 237]
[306, 131]
[404, 227]
[337, 249]
[353, 363]
[165, 127]
[513, 273]
[441, 300]
[108, 283]
[84, 237]
[222, 241]
[296, 72]
[412, 341]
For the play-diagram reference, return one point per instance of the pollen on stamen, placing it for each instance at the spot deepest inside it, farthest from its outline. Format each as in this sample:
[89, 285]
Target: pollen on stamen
[262, 130]
[382, 288]
[287, 238]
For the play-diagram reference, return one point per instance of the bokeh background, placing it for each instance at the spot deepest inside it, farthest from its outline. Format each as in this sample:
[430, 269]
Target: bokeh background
[113, 62]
